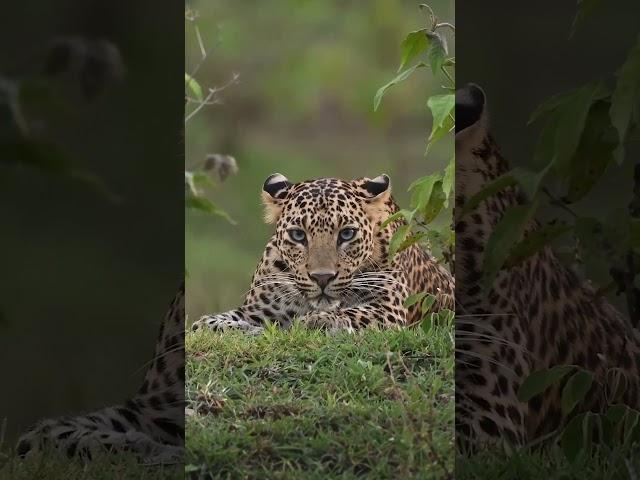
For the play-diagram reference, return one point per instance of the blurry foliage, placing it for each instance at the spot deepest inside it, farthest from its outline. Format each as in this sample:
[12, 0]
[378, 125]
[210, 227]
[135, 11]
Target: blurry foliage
[584, 134]
[198, 178]
[73, 68]
[430, 194]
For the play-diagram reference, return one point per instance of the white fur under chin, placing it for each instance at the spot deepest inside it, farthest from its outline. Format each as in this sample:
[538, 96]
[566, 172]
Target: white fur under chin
[324, 304]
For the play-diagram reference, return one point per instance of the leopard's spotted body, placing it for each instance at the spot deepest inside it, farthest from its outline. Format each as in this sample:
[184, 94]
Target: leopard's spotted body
[328, 261]
[150, 424]
[538, 314]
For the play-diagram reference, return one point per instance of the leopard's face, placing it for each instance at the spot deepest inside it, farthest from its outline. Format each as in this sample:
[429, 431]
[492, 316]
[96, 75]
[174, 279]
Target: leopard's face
[325, 233]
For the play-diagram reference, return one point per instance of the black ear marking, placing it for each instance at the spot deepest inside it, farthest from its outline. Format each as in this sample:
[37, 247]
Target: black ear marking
[377, 185]
[276, 185]
[470, 103]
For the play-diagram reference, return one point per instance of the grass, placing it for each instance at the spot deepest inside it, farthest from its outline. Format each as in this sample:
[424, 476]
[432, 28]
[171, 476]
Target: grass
[550, 463]
[304, 404]
[105, 467]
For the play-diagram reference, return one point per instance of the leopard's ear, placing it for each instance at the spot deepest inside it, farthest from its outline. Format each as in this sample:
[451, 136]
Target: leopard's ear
[472, 119]
[378, 188]
[274, 192]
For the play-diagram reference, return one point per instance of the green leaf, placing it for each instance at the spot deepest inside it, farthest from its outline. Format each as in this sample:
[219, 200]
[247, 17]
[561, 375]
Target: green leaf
[438, 133]
[406, 214]
[194, 86]
[411, 300]
[437, 51]
[427, 303]
[207, 206]
[397, 239]
[449, 179]
[399, 78]
[435, 203]
[538, 381]
[575, 390]
[441, 107]
[505, 235]
[421, 190]
[413, 45]
[426, 324]
[626, 97]
[410, 240]
[534, 242]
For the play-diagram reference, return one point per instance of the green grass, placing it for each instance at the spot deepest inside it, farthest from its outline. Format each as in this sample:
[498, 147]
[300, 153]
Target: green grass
[550, 463]
[104, 467]
[305, 404]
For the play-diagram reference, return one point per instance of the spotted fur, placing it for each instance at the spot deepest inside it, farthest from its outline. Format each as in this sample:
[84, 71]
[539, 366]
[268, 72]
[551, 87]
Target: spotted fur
[313, 269]
[151, 423]
[538, 314]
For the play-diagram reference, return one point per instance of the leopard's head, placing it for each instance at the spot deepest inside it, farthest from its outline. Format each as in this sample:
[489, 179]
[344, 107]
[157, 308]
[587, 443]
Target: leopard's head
[326, 232]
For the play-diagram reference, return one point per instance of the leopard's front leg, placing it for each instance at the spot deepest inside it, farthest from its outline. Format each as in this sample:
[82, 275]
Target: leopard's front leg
[356, 318]
[231, 320]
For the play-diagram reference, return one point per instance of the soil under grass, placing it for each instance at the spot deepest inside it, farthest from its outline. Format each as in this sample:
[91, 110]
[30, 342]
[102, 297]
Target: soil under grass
[303, 404]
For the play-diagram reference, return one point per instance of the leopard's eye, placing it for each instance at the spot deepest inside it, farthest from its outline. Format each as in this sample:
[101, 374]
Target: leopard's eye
[297, 235]
[346, 234]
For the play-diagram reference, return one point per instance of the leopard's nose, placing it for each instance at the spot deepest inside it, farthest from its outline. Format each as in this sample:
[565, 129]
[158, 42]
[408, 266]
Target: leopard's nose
[323, 277]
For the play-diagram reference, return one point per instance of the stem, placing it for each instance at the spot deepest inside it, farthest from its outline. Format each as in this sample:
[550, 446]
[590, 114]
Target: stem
[559, 203]
[446, 74]
[446, 24]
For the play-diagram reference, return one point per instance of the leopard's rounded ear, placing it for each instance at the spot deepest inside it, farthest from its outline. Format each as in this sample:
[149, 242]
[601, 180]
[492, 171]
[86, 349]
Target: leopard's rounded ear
[276, 185]
[274, 191]
[379, 186]
[471, 111]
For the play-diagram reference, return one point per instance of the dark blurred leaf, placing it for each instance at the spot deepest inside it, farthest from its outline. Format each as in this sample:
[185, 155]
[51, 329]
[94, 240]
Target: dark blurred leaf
[414, 44]
[566, 120]
[505, 235]
[626, 97]
[575, 390]
[534, 242]
[538, 381]
[37, 154]
[489, 189]
[437, 51]
[4, 320]
[594, 153]
[585, 9]
[399, 78]
[573, 439]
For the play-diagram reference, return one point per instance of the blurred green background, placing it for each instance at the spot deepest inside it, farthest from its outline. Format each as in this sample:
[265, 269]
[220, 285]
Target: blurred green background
[302, 106]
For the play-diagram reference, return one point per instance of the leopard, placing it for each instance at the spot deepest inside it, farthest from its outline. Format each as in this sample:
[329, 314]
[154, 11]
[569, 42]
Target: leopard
[328, 265]
[537, 314]
[150, 424]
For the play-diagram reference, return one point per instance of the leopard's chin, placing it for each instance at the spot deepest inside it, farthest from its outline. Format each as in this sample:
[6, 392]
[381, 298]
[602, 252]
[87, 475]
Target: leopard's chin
[324, 303]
